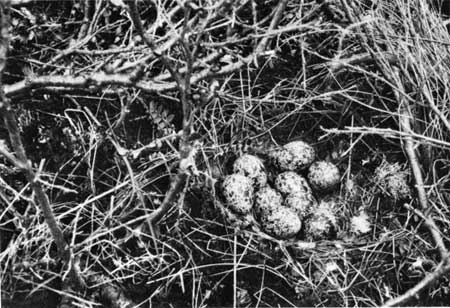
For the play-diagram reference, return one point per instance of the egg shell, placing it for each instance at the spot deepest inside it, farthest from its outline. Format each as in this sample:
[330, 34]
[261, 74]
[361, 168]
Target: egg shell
[283, 223]
[267, 200]
[294, 156]
[238, 192]
[290, 182]
[303, 203]
[283, 159]
[236, 220]
[304, 154]
[324, 176]
[252, 167]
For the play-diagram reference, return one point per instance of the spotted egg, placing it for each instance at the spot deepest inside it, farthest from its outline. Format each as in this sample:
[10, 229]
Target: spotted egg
[238, 192]
[283, 223]
[324, 176]
[293, 156]
[237, 220]
[303, 203]
[252, 167]
[267, 200]
[289, 182]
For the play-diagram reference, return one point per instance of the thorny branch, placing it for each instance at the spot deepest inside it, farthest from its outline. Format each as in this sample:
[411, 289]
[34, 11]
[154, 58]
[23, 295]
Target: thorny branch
[21, 161]
[99, 80]
[190, 147]
[183, 87]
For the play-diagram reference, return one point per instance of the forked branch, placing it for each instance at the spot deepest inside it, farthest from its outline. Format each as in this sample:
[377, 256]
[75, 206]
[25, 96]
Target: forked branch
[20, 159]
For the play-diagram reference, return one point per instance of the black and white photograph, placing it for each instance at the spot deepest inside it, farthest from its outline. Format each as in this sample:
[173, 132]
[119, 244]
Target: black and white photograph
[224, 153]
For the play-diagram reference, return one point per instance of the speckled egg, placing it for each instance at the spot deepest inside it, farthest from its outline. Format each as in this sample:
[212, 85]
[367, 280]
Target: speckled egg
[283, 159]
[252, 167]
[283, 223]
[296, 155]
[267, 200]
[324, 176]
[236, 220]
[323, 221]
[303, 203]
[238, 192]
[290, 182]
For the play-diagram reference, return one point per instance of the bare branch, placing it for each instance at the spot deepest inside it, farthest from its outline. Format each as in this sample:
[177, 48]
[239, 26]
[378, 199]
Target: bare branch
[21, 159]
[273, 25]
[134, 14]
[96, 80]
[409, 146]
[442, 268]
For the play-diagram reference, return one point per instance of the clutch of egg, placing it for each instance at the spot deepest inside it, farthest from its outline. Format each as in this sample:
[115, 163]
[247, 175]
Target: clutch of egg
[289, 206]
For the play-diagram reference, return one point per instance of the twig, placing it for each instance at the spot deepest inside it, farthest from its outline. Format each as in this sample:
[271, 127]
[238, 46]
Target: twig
[391, 72]
[21, 2]
[186, 166]
[433, 106]
[99, 80]
[88, 8]
[273, 25]
[408, 144]
[170, 197]
[360, 59]
[431, 225]
[155, 144]
[183, 84]
[190, 149]
[134, 14]
[95, 80]
[21, 159]
[387, 133]
[442, 268]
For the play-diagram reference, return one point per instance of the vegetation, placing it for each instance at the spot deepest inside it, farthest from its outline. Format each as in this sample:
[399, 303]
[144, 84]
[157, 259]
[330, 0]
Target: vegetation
[122, 118]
